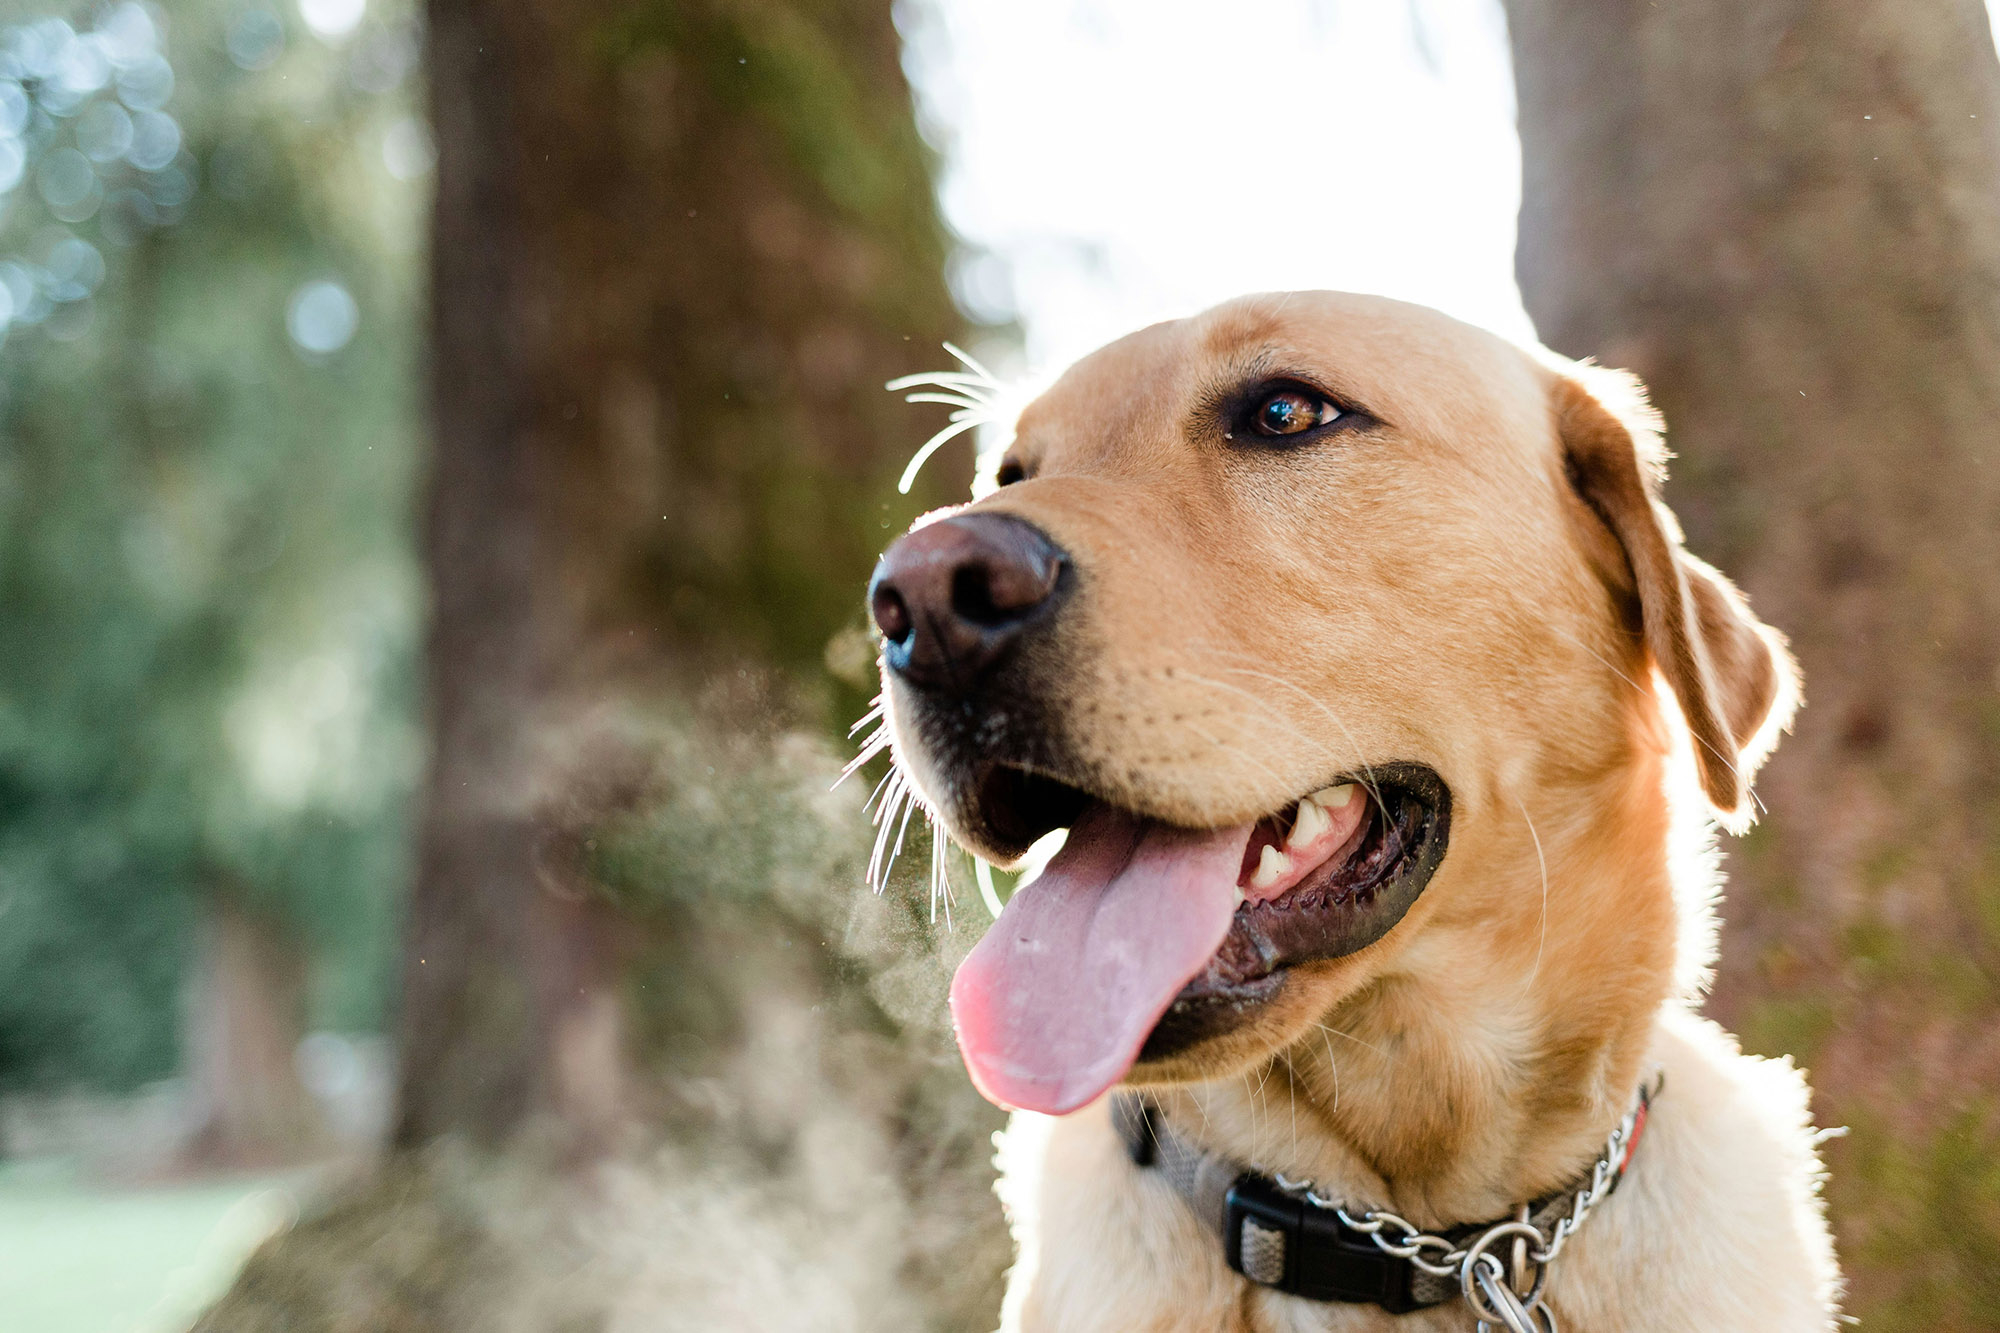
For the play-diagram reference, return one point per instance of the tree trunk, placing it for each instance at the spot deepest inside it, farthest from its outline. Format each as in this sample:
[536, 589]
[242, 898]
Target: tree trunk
[677, 251]
[245, 1016]
[1786, 218]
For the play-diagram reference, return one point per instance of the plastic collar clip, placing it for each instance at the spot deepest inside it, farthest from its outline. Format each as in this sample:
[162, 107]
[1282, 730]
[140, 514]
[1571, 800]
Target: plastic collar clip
[1281, 1241]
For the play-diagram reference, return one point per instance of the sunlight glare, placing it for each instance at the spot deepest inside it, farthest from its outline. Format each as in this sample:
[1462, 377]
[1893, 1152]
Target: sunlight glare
[1110, 163]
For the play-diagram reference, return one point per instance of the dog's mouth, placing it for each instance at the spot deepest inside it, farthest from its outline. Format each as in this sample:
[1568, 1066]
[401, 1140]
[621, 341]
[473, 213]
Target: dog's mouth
[1142, 939]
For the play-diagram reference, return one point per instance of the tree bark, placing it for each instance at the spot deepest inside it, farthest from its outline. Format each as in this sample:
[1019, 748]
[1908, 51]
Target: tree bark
[677, 250]
[1785, 217]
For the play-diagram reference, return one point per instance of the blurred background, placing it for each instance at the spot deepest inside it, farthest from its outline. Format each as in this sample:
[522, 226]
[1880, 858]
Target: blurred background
[441, 452]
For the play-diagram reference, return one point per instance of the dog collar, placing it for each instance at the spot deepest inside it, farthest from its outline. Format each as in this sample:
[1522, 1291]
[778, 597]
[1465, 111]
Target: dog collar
[1279, 1233]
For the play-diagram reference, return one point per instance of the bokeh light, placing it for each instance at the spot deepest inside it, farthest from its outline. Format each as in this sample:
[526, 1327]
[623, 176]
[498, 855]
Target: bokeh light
[156, 139]
[255, 38]
[104, 132]
[147, 83]
[332, 18]
[322, 317]
[407, 151]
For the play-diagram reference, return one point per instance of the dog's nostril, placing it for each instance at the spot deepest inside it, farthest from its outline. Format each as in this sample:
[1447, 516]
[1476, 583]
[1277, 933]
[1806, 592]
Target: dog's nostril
[972, 595]
[995, 588]
[892, 617]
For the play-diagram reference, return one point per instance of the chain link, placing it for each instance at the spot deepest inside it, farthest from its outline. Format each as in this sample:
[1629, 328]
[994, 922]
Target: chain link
[1411, 1242]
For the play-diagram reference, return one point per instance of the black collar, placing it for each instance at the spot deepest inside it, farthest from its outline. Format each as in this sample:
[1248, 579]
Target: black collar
[1284, 1237]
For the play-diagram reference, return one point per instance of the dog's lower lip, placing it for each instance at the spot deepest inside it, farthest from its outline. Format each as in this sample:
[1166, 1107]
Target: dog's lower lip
[1343, 906]
[1405, 824]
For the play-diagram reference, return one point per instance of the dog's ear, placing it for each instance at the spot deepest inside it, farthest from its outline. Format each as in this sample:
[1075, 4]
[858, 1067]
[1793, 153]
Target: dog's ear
[1734, 679]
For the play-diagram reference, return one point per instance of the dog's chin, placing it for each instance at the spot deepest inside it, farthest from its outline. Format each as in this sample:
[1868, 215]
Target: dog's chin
[1208, 1039]
[1281, 962]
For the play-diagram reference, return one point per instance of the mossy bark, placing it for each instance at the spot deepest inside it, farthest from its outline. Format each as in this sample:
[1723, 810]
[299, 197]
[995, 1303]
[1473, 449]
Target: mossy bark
[1786, 218]
[678, 249]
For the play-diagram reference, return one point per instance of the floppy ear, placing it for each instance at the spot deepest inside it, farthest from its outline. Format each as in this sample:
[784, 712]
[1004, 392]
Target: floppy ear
[1735, 681]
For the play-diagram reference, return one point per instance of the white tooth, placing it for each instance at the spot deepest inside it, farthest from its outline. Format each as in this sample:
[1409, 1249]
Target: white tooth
[1239, 895]
[1272, 866]
[1311, 822]
[1333, 798]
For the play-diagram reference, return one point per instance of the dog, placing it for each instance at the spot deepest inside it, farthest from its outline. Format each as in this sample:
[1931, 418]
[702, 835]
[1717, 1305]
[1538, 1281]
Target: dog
[1389, 719]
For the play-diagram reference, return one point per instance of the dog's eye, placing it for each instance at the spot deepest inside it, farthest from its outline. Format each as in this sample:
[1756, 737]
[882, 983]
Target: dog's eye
[1292, 412]
[1010, 472]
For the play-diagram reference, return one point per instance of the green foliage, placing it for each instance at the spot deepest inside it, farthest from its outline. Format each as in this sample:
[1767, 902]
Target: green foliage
[206, 582]
[1932, 1217]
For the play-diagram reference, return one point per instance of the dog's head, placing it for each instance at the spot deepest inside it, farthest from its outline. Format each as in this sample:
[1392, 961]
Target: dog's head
[1289, 613]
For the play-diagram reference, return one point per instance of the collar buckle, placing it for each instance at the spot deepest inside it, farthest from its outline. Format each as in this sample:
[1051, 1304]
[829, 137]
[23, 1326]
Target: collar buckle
[1279, 1240]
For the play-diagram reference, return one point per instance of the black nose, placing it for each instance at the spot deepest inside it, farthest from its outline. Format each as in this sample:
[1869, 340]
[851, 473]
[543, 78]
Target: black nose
[951, 596]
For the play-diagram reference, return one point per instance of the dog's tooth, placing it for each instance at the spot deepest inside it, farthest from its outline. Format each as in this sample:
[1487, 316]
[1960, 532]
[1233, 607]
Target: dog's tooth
[1239, 895]
[1333, 798]
[1272, 866]
[1311, 822]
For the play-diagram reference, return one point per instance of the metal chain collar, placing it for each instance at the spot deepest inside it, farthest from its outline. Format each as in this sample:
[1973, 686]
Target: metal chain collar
[1508, 1294]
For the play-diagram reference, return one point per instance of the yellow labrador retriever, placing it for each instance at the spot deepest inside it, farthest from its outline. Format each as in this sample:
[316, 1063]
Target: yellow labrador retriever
[1385, 713]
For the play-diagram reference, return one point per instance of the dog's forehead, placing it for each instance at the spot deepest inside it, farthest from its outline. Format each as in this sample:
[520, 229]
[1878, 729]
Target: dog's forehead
[1423, 371]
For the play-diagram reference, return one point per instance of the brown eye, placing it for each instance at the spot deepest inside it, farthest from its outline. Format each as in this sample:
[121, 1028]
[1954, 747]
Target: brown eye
[1288, 412]
[1009, 473]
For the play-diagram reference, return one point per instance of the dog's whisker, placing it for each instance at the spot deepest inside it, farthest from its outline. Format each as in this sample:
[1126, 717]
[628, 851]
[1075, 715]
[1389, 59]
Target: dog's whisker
[956, 381]
[1603, 661]
[872, 743]
[892, 777]
[871, 747]
[1263, 1081]
[1292, 1091]
[961, 423]
[874, 712]
[1542, 861]
[901, 796]
[967, 360]
[951, 399]
[884, 862]
[1250, 1104]
[1356, 1040]
[910, 805]
[975, 392]
[1332, 1066]
[878, 869]
[892, 782]
[940, 873]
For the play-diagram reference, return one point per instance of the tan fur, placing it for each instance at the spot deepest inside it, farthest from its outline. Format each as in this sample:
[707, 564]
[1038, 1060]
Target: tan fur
[1486, 583]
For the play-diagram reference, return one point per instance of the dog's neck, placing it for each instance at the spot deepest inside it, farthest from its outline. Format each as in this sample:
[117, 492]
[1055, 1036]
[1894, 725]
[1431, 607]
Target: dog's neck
[1487, 1062]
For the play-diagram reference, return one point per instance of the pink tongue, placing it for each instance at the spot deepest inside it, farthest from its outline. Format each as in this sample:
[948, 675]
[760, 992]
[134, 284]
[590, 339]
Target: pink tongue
[1055, 1002]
